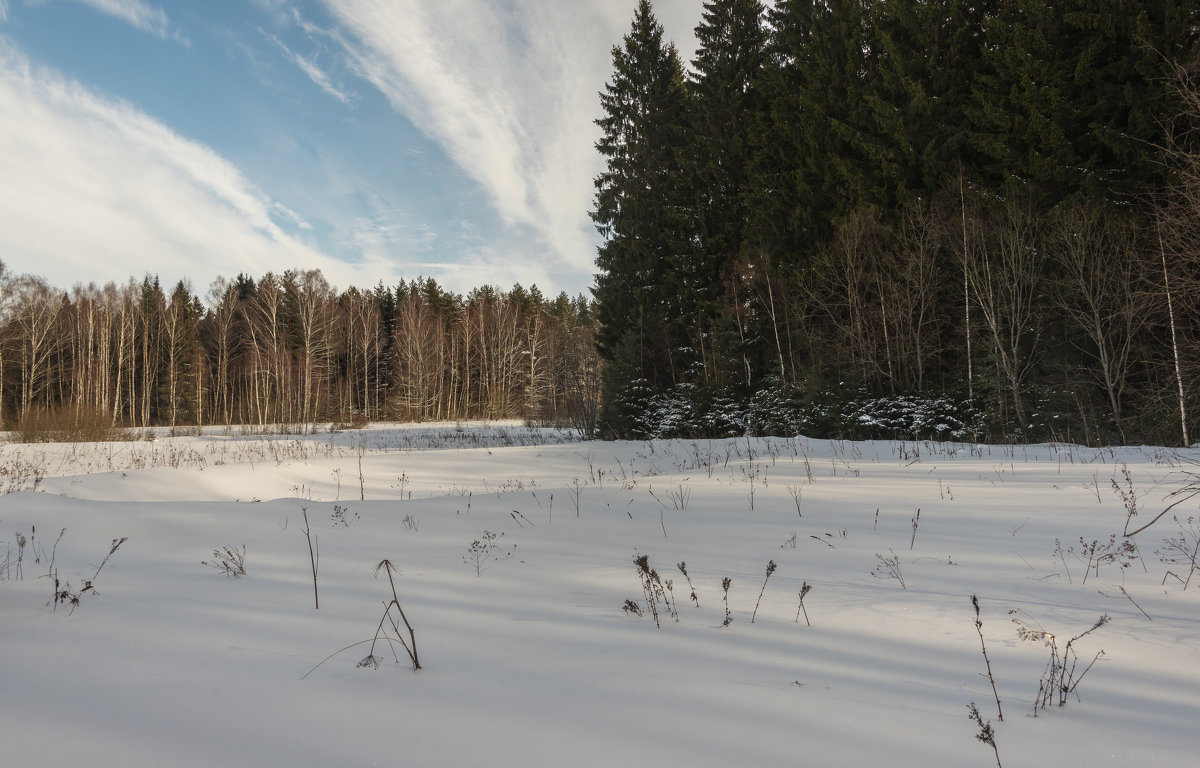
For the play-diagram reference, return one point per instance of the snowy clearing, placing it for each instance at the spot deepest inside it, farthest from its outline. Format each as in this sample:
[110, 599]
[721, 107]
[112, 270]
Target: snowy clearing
[514, 554]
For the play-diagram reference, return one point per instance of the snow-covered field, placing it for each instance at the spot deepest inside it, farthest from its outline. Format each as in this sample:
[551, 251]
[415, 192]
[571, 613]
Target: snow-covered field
[533, 661]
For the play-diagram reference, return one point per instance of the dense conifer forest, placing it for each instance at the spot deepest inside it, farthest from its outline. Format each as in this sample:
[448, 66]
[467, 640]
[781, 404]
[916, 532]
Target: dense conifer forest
[943, 218]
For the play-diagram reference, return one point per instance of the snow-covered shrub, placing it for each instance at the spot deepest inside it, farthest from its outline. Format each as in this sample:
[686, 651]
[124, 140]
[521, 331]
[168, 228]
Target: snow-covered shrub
[914, 416]
[787, 409]
[692, 411]
[625, 410]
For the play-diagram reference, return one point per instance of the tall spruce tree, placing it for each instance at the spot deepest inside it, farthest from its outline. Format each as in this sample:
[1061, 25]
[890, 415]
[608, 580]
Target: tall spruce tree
[818, 161]
[642, 215]
[727, 110]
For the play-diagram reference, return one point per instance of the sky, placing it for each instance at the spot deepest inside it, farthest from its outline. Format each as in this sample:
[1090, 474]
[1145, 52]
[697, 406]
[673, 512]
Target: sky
[375, 140]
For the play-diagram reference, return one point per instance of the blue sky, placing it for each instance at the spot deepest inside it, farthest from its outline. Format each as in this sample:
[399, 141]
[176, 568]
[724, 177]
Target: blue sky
[373, 139]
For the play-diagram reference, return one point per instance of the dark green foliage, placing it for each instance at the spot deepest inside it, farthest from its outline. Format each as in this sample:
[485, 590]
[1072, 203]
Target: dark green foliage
[1071, 94]
[640, 209]
[727, 110]
[872, 204]
[926, 53]
[813, 169]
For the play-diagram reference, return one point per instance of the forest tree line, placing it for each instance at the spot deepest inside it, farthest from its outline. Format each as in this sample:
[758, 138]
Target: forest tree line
[857, 218]
[991, 204]
[290, 349]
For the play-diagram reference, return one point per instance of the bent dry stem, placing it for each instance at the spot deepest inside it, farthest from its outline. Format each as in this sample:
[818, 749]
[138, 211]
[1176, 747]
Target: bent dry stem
[805, 588]
[411, 646]
[314, 556]
[987, 662]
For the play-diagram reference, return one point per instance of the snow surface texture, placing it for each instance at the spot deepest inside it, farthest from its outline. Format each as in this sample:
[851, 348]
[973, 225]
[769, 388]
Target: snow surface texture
[533, 662]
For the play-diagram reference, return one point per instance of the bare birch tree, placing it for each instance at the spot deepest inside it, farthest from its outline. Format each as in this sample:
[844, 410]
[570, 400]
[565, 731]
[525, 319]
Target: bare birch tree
[1004, 267]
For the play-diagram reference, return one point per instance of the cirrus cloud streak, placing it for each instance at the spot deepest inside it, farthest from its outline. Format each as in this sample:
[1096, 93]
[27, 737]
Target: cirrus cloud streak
[96, 190]
[509, 90]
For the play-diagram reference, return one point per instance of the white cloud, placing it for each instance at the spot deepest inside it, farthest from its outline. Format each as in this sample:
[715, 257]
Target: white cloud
[3, 10]
[310, 69]
[393, 240]
[136, 13]
[96, 190]
[510, 91]
[379, 237]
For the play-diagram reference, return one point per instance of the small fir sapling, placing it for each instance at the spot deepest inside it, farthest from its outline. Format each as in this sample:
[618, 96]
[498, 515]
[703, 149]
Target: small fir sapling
[770, 570]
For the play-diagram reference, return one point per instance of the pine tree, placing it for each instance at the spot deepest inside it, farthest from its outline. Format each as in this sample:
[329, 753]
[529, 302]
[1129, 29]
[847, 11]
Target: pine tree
[640, 207]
